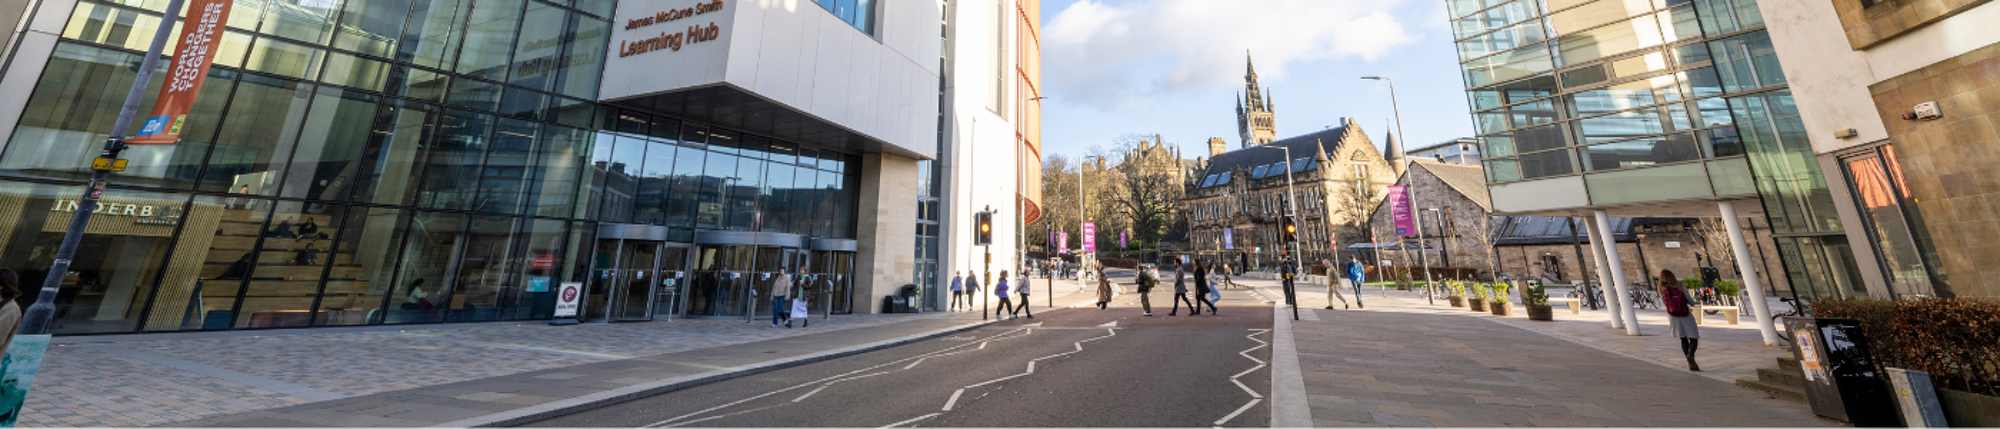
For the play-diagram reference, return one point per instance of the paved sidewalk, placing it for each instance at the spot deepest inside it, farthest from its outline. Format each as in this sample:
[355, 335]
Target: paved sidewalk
[1402, 362]
[188, 379]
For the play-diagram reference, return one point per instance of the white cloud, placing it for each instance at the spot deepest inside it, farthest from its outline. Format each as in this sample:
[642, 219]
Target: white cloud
[1121, 55]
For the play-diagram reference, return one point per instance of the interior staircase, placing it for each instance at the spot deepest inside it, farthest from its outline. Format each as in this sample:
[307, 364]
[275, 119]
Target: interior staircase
[1786, 381]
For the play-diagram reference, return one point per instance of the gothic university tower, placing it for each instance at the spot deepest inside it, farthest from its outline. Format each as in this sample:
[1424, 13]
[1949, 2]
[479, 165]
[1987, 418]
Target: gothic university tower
[1253, 113]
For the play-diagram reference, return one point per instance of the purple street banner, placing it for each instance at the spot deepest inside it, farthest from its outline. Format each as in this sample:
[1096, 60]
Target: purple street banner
[1228, 243]
[1121, 240]
[1089, 237]
[1399, 208]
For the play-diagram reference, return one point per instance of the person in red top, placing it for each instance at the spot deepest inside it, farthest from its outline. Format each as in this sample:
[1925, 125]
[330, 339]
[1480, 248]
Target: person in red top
[1680, 320]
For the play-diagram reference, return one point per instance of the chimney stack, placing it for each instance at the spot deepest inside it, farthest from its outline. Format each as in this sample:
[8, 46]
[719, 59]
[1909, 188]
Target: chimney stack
[1216, 146]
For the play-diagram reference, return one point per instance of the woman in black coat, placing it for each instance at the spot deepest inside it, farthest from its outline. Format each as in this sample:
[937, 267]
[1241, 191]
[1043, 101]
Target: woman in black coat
[1201, 289]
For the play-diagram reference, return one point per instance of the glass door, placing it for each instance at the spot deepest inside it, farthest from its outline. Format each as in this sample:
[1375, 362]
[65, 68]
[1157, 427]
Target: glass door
[603, 274]
[669, 296]
[1902, 250]
[638, 274]
[764, 277]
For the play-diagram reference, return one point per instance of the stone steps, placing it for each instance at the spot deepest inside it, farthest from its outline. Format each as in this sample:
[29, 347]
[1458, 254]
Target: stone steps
[1785, 381]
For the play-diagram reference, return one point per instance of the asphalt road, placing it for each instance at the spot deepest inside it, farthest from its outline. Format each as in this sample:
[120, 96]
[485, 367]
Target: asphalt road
[1073, 367]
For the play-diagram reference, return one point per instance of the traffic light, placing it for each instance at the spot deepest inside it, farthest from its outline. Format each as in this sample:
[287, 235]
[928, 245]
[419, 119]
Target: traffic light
[982, 229]
[1291, 230]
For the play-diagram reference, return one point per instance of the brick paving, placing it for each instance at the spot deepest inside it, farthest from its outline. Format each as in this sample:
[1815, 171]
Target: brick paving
[179, 379]
[1405, 363]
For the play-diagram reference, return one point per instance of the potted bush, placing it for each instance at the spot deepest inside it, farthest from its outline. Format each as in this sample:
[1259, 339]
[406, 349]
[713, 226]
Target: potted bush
[1538, 303]
[1477, 300]
[1457, 297]
[1403, 280]
[1729, 290]
[1501, 305]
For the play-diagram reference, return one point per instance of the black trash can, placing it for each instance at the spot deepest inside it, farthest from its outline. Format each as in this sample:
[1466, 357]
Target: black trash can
[1840, 376]
[895, 304]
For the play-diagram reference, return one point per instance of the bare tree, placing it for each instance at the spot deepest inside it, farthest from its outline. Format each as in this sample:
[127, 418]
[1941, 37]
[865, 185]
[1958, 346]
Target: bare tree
[1486, 236]
[1148, 195]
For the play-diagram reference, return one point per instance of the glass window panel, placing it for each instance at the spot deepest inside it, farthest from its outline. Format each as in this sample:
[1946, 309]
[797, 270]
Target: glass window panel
[650, 199]
[203, 298]
[508, 160]
[1713, 111]
[539, 238]
[1795, 194]
[552, 185]
[524, 104]
[1679, 24]
[1500, 145]
[336, 132]
[1551, 163]
[451, 169]
[1641, 152]
[630, 122]
[113, 273]
[719, 174]
[490, 37]
[1594, 14]
[1621, 125]
[392, 161]
[435, 30]
[664, 129]
[1610, 99]
[773, 214]
[305, 21]
[257, 136]
[621, 188]
[418, 84]
[540, 50]
[424, 281]
[1727, 16]
[1585, 76]
[1608, 41]
[573, 112]
[1677, 113]
[290, 259]
[600, 177]
[1539, 138]
[1536, 113]
[1517, 63]
[486, 276]
[1691, 53]
[284, 59]
[355, 72]
[689, 189]
[70, 111]
[599, 8]
[359, 280]
[371, 26]
[475, 94]
[1722, 142]
[1747, 62]
[1487, 122]
[1731, 177]
[745, 195]
[1702, 82]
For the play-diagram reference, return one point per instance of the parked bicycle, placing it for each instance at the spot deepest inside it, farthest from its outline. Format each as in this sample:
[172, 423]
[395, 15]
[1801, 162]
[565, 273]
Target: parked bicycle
[1779, 317]
[1591, 297]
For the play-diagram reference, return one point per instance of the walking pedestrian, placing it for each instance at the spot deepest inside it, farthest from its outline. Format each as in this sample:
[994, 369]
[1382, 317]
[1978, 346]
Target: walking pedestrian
[801, 300]
[1181, 290]
[1103, 288]
[1680, 321]
[1147, 278]
[957, 290]
[1205, 291]
[780, 311]
[1287, 269]
[1000, 291]
[1355, 273]
[1023, 290]
[1333, 283]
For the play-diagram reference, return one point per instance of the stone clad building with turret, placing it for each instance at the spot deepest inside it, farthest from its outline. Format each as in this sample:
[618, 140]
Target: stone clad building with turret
[1236, 199]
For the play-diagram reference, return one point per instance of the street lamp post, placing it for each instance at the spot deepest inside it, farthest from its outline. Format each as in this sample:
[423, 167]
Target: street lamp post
[1423, 258]
[1393, 108]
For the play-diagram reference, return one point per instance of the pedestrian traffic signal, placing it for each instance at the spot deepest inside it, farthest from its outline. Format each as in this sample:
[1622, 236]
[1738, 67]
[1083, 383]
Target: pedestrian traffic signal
[1291, 230]
[983, 229]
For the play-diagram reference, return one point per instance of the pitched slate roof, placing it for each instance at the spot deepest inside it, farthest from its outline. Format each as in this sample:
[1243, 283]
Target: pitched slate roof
[1468, 180]
[1302, 146]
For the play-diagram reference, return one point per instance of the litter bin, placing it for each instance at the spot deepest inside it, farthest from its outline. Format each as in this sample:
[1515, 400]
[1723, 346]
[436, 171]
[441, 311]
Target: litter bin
[1840, 376]
[895, 304]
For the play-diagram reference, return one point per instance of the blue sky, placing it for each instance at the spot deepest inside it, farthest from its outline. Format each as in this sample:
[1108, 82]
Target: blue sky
[1174, 67]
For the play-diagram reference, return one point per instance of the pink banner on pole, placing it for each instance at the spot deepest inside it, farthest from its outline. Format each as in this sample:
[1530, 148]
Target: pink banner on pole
[1399, 208]
[1089, 237]
[1062, 242]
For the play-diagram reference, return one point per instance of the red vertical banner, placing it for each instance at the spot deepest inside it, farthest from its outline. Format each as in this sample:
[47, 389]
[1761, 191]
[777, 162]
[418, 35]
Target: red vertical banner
[200, 36]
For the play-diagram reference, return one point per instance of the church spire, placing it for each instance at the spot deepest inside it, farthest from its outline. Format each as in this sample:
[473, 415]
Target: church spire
[1253, 111]
[1394, 154]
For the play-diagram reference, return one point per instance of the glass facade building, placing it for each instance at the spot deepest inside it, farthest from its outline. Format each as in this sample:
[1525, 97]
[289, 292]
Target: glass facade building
[357, 162]
[1649, 101]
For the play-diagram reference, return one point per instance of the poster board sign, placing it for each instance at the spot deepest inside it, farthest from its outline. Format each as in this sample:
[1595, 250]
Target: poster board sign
[568, 298]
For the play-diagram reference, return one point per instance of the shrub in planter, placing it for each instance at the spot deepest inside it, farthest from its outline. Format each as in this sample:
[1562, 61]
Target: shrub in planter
[1501, 307]
[1457, 296]
[1956, 340]
[1478, 298]
[1729, 290]
[1538, 303]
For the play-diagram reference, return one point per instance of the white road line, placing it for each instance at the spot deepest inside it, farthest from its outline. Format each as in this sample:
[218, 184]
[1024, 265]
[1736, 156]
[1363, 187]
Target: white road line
[1112, 324]
[919, 418]
[1239, 411]
[738, 413]
[982, 345]
[954, 399]
[1031, 363]
[666, 422]
[1254, 396]
[830, 383]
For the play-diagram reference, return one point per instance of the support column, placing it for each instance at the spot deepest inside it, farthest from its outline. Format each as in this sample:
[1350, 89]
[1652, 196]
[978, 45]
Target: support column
[1603, 274]
[1617, 268]
[1759, 309]
[885, 257]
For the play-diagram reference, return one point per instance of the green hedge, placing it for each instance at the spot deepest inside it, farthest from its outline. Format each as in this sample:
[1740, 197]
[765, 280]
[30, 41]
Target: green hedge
[1957, 341]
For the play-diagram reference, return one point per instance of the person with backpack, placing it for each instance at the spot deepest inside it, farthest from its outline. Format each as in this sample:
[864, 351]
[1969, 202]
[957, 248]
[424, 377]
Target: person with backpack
[1680, 318]
[1000, 291]
[1356, 273]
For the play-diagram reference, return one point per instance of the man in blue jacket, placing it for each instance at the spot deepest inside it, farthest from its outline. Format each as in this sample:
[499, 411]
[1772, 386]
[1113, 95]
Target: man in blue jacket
[1355, 274]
